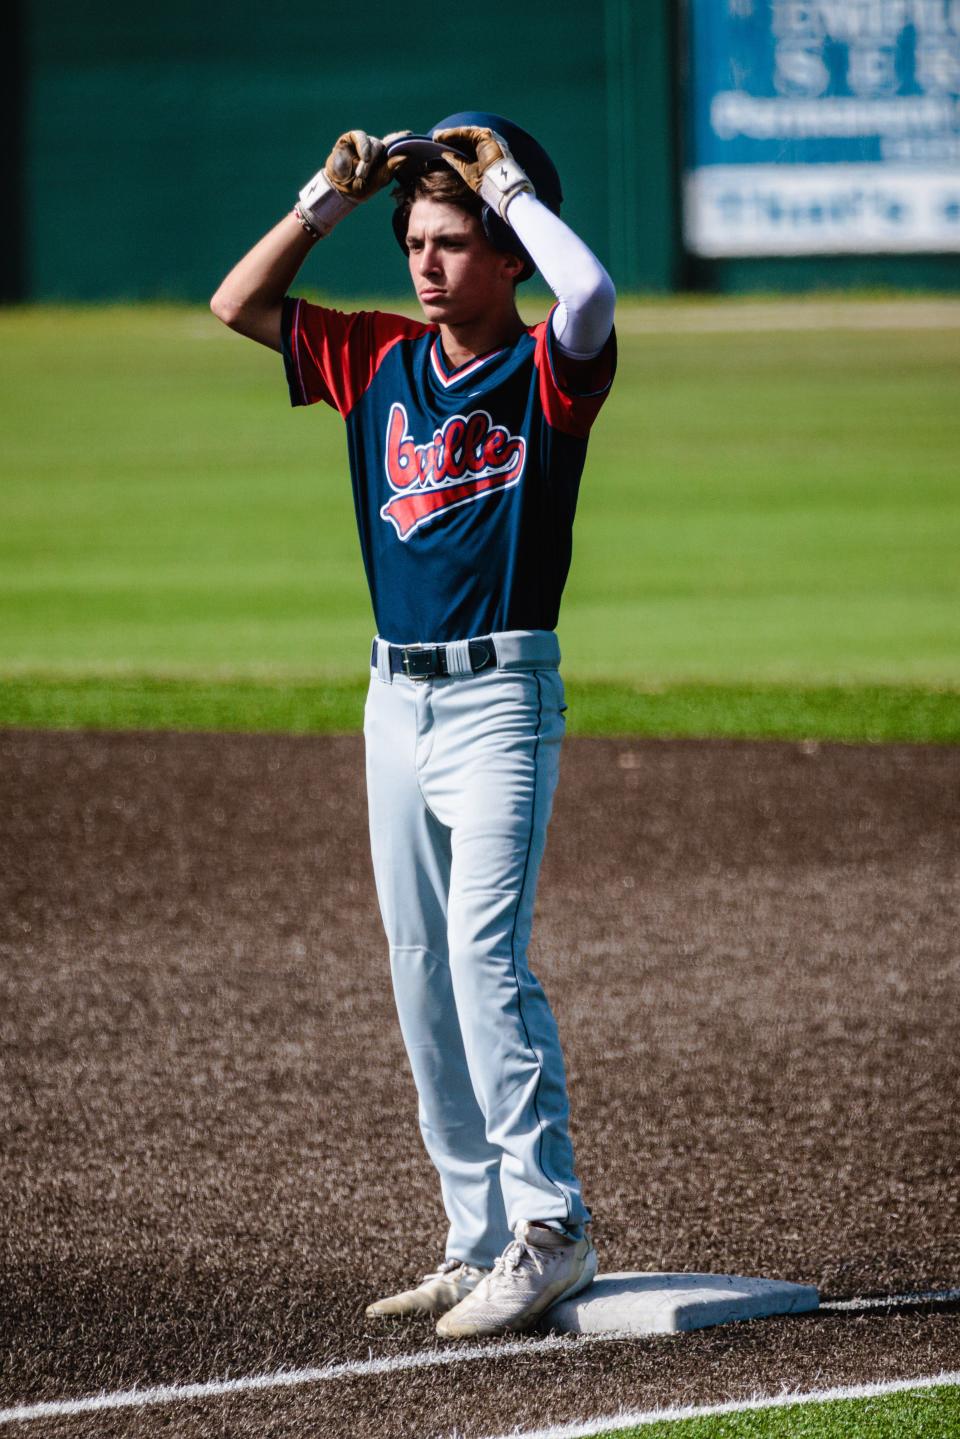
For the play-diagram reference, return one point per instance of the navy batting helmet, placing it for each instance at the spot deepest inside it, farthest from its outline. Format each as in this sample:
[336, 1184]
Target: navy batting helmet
[528, 153]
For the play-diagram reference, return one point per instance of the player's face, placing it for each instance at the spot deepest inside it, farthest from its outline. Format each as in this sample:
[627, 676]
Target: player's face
[456, 272]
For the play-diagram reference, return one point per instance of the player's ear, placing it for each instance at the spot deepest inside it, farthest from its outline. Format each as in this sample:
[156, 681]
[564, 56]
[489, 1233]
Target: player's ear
[512, 266]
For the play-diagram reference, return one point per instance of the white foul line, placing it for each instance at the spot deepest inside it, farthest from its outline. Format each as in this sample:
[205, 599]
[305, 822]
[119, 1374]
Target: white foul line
[437, 1358]
[891, 1301]
[284, 1378]
[612, 1422]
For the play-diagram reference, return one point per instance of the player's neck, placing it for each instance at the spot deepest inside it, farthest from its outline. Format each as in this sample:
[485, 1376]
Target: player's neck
[463, 343]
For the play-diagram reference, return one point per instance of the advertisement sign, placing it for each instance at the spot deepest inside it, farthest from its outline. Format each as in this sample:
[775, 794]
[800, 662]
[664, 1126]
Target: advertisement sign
[822, 128]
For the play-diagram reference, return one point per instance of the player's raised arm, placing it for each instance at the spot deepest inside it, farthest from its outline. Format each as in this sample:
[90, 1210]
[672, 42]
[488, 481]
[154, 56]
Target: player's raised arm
[583, 319]
[250, 299]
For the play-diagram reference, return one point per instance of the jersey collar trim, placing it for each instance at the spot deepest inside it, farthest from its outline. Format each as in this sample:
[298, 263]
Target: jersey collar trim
[453, 377]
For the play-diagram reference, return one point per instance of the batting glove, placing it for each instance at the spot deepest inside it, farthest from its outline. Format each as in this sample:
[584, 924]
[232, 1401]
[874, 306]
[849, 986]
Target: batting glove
[494, 174]
[356, 168]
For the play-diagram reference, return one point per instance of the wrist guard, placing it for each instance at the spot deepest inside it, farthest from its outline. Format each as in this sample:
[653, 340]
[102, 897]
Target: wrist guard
[501, 181]
[321, 205]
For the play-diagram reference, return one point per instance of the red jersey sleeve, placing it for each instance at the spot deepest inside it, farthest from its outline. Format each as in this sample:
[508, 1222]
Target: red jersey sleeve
[333, 357]
[572, 391]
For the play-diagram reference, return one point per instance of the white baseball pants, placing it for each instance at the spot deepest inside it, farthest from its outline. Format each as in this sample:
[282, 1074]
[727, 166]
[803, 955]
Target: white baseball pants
[460, 780]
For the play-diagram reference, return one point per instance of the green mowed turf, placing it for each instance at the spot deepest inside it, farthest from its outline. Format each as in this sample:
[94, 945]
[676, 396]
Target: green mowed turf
[335, 706]
[763, 516]
[913, 1414]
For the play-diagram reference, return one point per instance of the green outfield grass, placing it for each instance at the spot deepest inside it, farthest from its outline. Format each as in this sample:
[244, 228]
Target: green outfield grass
[912, 1414]
[767, 539]
[335, 706]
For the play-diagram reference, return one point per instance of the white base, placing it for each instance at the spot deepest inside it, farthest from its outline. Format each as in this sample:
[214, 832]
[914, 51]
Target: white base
[669, 1303]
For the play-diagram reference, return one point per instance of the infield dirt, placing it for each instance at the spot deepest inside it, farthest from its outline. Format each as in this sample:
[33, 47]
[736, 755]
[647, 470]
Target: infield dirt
[211, 1154]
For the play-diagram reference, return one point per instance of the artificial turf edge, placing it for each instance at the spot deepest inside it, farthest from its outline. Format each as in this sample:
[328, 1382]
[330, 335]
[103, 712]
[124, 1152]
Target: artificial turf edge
[929, 1413]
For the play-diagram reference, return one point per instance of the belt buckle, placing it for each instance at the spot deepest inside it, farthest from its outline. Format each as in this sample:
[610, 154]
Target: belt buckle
[421, 662]
[485, 649]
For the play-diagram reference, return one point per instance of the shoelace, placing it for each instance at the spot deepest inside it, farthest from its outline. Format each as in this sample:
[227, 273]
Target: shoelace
[513, 1257]
[446, 1268]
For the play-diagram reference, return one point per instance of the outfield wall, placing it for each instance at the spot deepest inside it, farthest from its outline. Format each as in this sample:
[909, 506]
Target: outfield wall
[149, 148]
[160, 143]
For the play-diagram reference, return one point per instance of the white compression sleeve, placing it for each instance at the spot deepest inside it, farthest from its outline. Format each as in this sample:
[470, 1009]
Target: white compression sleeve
[584, 317]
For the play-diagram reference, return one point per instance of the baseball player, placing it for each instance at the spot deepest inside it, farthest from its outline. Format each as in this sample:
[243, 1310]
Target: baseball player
[467, 434]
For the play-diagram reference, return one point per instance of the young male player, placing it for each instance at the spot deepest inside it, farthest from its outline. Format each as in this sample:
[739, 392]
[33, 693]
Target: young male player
[467, 436]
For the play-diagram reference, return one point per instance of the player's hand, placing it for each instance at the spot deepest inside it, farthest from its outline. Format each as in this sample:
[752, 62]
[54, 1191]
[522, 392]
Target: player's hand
[357, 166]
[494, 174]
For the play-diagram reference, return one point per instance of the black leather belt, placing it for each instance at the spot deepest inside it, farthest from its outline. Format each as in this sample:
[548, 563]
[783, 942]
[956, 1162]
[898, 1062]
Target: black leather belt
[429, 662]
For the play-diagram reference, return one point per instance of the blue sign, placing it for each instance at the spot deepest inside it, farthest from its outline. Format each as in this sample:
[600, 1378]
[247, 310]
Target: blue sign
[823, 127]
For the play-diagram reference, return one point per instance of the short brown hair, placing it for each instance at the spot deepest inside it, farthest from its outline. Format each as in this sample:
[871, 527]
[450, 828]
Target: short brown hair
[444, 185]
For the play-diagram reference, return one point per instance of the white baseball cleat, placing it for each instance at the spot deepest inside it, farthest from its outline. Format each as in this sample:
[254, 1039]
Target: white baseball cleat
[435, 1294]
[536, 1270]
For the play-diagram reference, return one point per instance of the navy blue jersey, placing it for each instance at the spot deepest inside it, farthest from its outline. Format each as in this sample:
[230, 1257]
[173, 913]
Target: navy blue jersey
[464, 480]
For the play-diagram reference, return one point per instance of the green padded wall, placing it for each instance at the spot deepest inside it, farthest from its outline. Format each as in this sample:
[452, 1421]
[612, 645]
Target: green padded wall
[159, 144]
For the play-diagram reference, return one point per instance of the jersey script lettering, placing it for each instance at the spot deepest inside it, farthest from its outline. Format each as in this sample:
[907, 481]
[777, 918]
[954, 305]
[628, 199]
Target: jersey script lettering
[467, 458]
